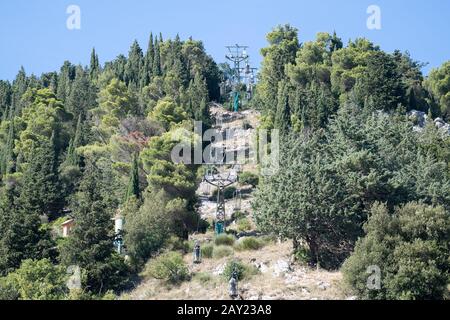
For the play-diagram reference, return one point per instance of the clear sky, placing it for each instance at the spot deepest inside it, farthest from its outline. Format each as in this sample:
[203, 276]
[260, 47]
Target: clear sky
[34, 33]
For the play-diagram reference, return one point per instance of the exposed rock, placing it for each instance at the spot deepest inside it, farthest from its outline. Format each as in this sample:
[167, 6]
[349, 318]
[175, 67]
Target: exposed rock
[281, 267]
[323, 285]
[219, 270]
[420, 119]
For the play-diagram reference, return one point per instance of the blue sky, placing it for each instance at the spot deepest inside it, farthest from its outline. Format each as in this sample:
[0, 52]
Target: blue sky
[34, 33]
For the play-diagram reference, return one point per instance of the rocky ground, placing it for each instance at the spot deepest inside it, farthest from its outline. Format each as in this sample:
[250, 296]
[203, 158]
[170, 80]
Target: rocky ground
[278, 279]
[276, 276]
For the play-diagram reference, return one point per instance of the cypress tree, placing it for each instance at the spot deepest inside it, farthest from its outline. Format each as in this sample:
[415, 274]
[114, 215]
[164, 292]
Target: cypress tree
[283, 114]
[148, 62]
[157, 60]
[40, 193]
[90, 245]
[133, 184]
[65, 79]
[134, 65]
[72, 157]
[83, 96]
[19, 87]
[20, 234]
[5, 97]
[7, 156]
[94, 69]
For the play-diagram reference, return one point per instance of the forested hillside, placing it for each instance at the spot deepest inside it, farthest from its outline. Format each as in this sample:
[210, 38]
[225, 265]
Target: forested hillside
[357, 163]
[363, 182]
[86, 142]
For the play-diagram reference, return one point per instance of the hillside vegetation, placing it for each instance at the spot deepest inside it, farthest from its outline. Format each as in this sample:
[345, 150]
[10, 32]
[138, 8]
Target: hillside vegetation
[362, 188]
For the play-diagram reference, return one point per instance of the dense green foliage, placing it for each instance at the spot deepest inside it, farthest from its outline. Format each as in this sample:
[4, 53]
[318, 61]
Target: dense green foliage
[348, 151]
[35, 280]
[90, 142]
[410, 246]
[169, 267]
[357, 177]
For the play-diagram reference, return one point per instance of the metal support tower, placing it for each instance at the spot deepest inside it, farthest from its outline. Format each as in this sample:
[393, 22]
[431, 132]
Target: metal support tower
[220, 181]
[241, 74]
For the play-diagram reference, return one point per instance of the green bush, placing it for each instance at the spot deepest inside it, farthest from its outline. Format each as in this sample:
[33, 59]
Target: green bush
[80, 295]
[222, 251]
[243, 271]
[177, 244]
[248, 178]
[207, 251]
[410, 247]
[169, 267]
[35, 280]
[228, 193]
[249, 243]
[203, 277]
[244, 224]
[233, 266]
[7, 291]
[224, 240]
[237, 215]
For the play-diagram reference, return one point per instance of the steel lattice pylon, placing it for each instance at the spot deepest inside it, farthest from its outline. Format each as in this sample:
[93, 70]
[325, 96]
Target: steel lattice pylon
[238, 55]
[220, 181]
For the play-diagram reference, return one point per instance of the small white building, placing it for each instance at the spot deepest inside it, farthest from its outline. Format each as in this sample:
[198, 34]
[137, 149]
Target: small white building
[67, 227]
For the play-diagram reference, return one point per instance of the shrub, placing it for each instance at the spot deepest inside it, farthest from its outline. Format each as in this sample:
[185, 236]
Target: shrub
[146, 229]
[228, 193]
[243, 271]
[203, 277]
[233, 266]
[109, 296]
[80, 295]
[249, 243]
[169, 267]
[177, 244]
[244, 224]
[222, 251]
[224, 239]
[7, 291]
[410, 247]
[237, 215]
[248, 178]
[207, 251]
[35, 280]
